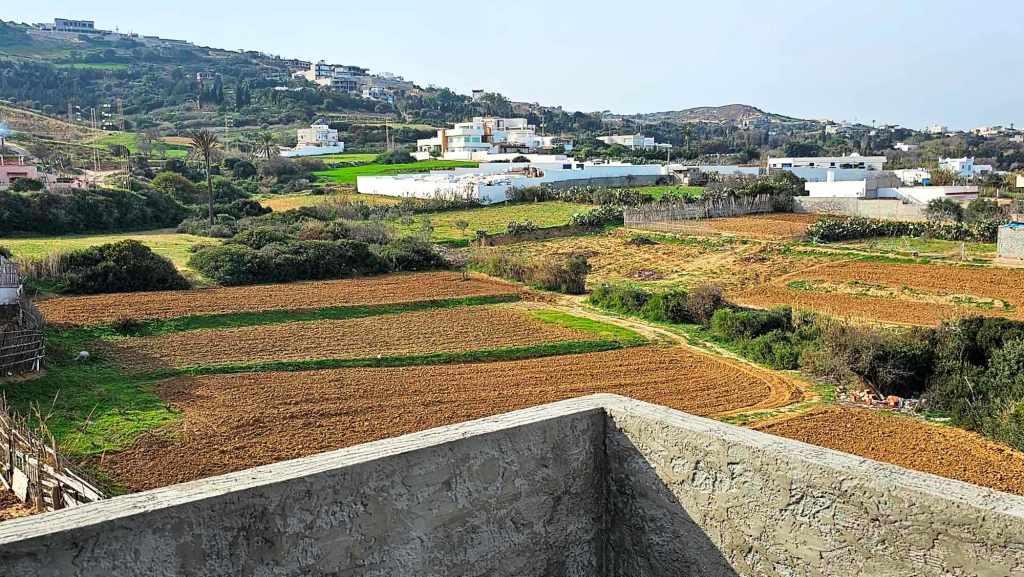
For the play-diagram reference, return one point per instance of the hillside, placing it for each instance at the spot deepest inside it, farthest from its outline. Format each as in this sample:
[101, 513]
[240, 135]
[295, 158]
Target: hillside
[728, 114]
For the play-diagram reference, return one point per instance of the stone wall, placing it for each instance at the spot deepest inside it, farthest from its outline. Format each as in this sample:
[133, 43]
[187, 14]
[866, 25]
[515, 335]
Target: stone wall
[596, 486]
[881, 209]
[1011, 243]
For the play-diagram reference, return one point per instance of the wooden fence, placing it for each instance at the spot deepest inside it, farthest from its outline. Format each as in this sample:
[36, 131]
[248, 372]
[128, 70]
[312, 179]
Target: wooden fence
[730, 205]
[32, 468]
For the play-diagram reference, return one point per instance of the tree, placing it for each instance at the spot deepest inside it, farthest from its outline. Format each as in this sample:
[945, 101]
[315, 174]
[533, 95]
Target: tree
[462, 225]
[942, 177]
[944, 209]
[266, 145]
[204, 143]
[797, 149]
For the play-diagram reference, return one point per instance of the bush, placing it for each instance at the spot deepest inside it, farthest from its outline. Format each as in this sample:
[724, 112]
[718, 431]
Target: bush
[598, 217]
[395, 157]
[5, 252]
[235, 264]
[177, 187]
[567, 274]
[703, 301]
[672, 306]
[737, 324]
[410, 254]
[124, 266]
[27, 185]
[99, 210]
[516, 227]
[626, 299]
[259, 237]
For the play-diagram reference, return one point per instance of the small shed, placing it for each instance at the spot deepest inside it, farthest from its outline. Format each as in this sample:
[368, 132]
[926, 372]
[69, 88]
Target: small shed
[1010, 248]
[10, 283]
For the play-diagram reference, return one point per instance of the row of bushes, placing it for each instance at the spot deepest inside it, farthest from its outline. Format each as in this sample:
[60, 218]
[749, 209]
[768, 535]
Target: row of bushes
[604, 215]
[832, 229]
[99, 210]
[565, 274]
[582, 195]
[971, 369]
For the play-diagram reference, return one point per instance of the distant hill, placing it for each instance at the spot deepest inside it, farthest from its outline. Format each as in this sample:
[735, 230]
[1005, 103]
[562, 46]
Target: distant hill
[730, 113]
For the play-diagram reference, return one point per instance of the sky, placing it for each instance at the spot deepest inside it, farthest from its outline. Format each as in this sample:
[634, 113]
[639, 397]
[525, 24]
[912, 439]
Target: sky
[912, 63]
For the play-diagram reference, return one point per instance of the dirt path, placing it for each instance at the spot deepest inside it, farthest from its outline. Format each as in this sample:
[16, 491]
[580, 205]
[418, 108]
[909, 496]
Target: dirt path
[783, 390]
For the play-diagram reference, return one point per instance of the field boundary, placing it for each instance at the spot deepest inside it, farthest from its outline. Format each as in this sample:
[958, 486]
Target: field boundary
[638, 217]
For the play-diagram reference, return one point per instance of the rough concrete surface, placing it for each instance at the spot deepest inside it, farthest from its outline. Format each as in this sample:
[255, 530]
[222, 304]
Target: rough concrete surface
[596, 486]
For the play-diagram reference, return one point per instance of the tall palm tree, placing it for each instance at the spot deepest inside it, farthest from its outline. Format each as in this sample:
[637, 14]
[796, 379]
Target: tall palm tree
[266, 144]
[203, 144]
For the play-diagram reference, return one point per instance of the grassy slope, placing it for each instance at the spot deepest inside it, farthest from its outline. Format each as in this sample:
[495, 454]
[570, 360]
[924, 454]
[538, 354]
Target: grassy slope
[348, 157]
[131, 140]
[348, 174]
[164, 242]
[283, 202]
[493, 219]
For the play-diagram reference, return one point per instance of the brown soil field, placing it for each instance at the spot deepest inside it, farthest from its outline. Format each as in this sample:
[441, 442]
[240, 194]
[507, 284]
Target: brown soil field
[411, 333]
[11, 507]
[910, 443]
[388, 289]
[921, 294]
[232, 422]
[777, 226]
[731, 263]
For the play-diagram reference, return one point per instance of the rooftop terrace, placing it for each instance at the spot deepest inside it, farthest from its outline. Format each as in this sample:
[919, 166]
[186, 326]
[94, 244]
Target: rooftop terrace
[601, 485]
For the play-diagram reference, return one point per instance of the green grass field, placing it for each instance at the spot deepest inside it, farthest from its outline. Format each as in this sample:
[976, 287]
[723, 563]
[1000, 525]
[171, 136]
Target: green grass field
[165, 242]
[348, 174]
[131, 140]
[908, 246]
[348, 157]
[492, 219]
[659, 192]
[283, 202]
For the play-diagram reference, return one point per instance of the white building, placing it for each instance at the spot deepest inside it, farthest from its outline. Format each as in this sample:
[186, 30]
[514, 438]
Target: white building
[937, 129]
[486, 136]
[886, 185]
[964, 167]
[913, 176]
[491, 182]
[354, 79]
[633, 141]
[318, 139]
[905, 147]
[853, 161]
[1020, 181]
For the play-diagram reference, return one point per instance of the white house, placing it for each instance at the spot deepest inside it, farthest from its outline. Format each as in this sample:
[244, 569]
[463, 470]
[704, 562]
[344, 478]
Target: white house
[485, 136]
[913, 176]
[853, 161]
[887, 185]
[937, 129]
[964, 167]
[905, 147]
[491, 182]
[318, 139]
[633, 141]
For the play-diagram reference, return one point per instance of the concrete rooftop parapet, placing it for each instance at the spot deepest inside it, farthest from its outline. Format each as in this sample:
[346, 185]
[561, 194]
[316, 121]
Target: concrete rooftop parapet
[600, 485]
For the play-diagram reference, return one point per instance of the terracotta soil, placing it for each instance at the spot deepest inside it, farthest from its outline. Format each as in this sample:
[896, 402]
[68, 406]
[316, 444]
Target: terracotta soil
[11, 507]
[777, 226]
[411, 333]
[936, 280]
[389, 289]
[232, 422]
[910, 443]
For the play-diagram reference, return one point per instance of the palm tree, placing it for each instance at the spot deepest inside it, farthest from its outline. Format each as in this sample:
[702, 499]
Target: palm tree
[265, 144]
[203, 144]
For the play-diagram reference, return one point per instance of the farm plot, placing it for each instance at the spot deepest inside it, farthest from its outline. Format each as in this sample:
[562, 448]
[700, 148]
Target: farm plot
[404, 334]
[910, 443]
[775, 226]
[388, 289]
[658, 260]
[231, 422]
[898, 293]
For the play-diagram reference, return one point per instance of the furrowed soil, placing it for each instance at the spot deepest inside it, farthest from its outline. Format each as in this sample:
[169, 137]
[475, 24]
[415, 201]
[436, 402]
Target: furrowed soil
[232, 422]
[777, 226]
[389, 289]
[910, 443]
[410, 333]
[917, 294]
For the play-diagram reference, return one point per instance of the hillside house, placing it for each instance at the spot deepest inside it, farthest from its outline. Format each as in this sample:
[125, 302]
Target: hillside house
[485, 136]
[634, 142]
[13, 169]
[317, 140]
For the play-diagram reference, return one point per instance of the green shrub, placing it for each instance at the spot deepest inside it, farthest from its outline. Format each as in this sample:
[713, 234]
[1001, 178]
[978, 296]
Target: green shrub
[671, 306]
[736, 324]
[622, 298]
[395, 157]
[27, 185]
[230, 264]
[235, 264]
[566, 274]
[833, 229]
[598, 217]
[99, 210]
[124, 266]
[410, 254]
[703, 301]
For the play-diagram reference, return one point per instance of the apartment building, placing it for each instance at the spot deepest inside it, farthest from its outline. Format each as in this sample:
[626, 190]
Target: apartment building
[483, 136]
[633, 141]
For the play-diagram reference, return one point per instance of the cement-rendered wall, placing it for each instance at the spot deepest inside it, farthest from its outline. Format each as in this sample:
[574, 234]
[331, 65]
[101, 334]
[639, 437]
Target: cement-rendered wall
[880, 209]
[517, 495]
[596, 486]
[692, 497]
[1011, 243]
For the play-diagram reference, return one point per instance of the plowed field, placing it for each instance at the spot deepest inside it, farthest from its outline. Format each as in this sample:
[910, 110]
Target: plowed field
[898, 293]
[231, 422]
[907, 442]
[398, 288]
[411, 333]
[777, 226]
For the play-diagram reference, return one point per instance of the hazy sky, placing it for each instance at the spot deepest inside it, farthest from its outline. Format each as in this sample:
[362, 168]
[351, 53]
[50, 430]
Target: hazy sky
[908, 62]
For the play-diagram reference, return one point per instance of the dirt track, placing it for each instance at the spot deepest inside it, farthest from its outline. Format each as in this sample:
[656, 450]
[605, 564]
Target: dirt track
[411, 333]
[389, 289]
[907, 442]
[232, 422]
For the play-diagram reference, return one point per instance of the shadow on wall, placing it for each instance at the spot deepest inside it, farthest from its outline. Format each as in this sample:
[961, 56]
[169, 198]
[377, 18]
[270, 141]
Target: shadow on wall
[649, 532]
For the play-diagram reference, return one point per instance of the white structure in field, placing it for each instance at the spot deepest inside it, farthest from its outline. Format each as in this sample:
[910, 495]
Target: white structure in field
[633, 141]
[492, 181]
[905, 147]
[316, 140]
[887, 185]
[483, 137]
[829, 168]
[1020, 181]
[964, 167]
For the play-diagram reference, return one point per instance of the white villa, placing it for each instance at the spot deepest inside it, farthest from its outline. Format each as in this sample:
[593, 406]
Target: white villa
[486, 136]
[964, 167]
[887, 185]
[633, 141]
[828, 168]
[317, 140]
